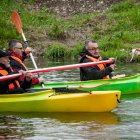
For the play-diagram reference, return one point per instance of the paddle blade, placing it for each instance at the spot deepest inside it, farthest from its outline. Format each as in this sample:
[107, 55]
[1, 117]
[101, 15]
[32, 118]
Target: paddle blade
[16, 21]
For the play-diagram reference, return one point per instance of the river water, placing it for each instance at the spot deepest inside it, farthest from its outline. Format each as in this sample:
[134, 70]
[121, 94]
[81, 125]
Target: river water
[122, 123]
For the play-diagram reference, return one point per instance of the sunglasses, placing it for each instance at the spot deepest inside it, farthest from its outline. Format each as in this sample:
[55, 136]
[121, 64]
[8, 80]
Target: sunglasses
[19, 48]
[93, 49]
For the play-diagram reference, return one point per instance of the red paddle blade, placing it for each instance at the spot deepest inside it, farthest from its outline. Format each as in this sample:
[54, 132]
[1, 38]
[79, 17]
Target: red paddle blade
[16, 21]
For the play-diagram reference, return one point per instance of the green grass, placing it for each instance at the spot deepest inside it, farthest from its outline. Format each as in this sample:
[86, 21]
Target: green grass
[62, 51]
[116, 29]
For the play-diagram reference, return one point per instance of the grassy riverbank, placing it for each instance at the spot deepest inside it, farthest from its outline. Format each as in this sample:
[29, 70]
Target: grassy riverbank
[116, 29]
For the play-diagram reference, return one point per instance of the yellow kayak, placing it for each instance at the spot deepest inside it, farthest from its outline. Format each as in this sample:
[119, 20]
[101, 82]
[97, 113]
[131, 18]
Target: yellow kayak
[47, 101]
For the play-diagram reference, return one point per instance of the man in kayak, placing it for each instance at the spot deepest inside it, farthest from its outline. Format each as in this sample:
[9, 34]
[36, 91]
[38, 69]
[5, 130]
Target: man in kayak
[16, 85]
[18, 55]
[91, 54]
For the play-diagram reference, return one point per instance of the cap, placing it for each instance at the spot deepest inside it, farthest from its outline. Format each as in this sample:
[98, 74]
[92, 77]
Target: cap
[4, 54]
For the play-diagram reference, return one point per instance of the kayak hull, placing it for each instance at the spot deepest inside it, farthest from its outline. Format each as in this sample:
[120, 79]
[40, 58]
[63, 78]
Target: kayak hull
[47, 101]
[127, 85]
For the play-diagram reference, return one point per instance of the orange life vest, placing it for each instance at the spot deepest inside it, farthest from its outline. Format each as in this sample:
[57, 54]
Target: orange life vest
[4, 73]
[101, 66]
[17, 59]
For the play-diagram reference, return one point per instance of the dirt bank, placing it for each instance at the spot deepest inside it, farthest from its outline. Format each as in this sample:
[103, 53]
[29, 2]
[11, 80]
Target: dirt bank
[66, 9]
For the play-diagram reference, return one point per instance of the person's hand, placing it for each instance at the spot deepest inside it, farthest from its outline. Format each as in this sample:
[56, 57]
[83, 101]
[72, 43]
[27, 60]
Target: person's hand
[28, 76]
[25, 75]
[22, 72]
[41, 79]
[113, 60]
[112, 66]
[28, 50]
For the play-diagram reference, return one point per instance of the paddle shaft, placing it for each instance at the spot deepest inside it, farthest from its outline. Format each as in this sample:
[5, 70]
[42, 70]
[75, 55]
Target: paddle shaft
[70, 66]
[31, 55]
[65, 67]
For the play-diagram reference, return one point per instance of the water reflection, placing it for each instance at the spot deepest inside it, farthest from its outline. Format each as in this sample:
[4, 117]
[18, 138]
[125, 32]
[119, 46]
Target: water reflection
[129, 112]
[103, 118]
[12, 128]
[54, 125]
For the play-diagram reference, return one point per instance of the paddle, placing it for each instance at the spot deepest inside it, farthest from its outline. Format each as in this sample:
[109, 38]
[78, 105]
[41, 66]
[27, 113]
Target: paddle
[65, 67]
[17, 22]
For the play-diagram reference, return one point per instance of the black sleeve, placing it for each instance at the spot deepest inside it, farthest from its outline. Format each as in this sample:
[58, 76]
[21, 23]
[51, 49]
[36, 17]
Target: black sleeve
[16, 65]
[26, 84]
[94, 73]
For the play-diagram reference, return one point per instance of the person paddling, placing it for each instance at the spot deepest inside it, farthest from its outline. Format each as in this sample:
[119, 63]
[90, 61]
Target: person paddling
[90, 53]
[16, 85]
[18, 55]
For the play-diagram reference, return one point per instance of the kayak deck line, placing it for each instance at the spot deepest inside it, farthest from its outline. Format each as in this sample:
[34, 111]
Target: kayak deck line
[72, 88]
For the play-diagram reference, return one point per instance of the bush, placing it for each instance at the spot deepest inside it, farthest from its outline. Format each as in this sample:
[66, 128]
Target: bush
[57, 32]
[57, 51]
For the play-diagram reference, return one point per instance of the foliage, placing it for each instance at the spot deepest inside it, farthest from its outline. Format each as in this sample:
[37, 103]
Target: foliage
[75, 51]
[57, 51]
[115, 29]
[57, 32]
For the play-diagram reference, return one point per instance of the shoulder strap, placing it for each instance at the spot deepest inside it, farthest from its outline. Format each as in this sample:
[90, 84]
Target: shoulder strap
[17, 59]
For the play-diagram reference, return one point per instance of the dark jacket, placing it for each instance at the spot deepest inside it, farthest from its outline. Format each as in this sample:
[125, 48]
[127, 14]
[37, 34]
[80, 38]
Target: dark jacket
[15, 64]
[4, 85]
[18, 66]
[92, 72]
